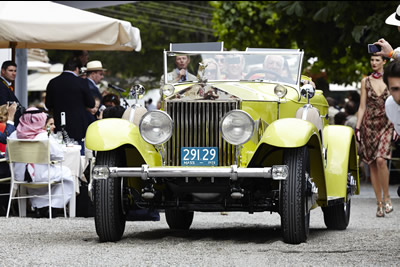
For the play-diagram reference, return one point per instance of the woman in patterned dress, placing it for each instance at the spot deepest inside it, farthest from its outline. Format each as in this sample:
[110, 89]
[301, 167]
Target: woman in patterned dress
[374, 133]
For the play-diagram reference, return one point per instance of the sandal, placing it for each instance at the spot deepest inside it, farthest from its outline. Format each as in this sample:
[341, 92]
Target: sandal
[379, 211]
[388, 205]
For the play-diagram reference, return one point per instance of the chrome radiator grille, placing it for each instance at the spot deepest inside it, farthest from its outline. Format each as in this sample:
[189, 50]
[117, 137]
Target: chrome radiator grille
[196, 124]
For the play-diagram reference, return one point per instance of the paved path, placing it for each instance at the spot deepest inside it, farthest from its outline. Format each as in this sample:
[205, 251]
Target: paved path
[238, 239]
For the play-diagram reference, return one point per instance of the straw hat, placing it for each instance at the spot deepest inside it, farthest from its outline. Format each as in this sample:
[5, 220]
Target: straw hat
[394, 19]
[94, 66]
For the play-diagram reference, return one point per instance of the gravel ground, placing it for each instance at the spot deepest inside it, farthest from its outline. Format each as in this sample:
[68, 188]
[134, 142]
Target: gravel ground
[237, 239]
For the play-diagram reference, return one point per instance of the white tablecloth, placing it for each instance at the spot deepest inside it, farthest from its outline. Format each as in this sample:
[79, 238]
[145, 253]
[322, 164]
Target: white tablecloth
[75, 162]
[72, 160]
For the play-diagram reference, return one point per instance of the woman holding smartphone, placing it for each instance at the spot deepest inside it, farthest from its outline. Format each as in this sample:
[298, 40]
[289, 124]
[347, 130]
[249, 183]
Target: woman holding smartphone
[374, 132]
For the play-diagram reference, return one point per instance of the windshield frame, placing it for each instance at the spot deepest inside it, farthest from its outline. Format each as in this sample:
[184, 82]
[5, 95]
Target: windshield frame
[284, 52]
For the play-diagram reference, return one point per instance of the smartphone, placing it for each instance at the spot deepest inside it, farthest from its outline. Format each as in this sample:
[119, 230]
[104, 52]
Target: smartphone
[374, 48]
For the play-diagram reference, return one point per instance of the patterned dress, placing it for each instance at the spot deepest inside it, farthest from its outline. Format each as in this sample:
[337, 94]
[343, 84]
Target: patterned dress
[376, 129]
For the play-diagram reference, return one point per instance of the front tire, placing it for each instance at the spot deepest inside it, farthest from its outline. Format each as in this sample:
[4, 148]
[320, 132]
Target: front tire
[294, 211]
[179, 219]
[337, 217]
[109, 216]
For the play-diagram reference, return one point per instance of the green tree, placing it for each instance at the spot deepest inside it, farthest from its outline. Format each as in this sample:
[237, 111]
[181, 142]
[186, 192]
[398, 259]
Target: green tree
[336, 32]
[160, 23]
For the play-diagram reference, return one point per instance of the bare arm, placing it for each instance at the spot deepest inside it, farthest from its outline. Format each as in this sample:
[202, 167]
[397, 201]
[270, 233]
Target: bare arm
[363, 103]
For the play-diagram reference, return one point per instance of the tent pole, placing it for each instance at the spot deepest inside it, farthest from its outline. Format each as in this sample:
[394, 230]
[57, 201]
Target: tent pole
[12, 46]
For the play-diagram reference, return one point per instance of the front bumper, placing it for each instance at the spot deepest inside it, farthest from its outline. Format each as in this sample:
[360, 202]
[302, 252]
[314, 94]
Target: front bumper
[276, 172]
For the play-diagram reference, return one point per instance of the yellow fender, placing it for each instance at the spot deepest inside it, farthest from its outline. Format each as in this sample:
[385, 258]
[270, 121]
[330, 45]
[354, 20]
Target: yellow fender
[289, 133]
[292, 133]
[341, 158]
[109, 134]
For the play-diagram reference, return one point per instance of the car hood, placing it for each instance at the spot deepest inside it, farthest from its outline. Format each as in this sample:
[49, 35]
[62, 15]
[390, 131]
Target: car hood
[245, 91]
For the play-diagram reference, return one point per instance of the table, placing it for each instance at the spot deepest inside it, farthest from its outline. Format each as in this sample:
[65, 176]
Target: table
[76, 163]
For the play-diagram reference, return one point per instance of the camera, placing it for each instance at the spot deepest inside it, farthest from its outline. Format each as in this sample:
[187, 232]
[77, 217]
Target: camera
[102, 108]
[12, 102]
[374, 48]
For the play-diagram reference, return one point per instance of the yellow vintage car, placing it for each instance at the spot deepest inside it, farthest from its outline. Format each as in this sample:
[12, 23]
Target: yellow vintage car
[242, 131]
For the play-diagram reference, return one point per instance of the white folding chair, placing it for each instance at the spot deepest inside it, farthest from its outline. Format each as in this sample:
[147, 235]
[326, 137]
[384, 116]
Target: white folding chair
[35, 152]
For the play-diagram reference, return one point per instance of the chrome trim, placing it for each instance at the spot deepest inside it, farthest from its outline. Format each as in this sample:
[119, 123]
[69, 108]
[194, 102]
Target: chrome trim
[196, 124]
[306, 107]
[233, 172]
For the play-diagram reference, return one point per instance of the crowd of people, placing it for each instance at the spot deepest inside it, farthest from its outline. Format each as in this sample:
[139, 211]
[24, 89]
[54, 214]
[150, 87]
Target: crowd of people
[72, 102]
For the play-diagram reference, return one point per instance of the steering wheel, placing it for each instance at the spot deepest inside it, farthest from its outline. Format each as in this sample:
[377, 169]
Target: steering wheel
[265, 73]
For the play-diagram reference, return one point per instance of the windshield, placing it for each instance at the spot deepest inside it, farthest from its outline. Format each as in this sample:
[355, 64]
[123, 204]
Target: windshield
[278, 65]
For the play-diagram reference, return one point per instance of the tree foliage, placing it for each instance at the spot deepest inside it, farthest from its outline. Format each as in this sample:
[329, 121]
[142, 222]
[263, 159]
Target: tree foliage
[160, 23]
[336, 32]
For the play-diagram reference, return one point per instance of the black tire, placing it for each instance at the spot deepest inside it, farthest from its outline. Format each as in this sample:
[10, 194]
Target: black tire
[294, 210]
[337, 217]
[179, 219]
[109, 216]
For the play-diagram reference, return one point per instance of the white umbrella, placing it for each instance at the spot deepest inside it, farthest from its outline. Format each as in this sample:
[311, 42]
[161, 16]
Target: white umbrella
[48, 25]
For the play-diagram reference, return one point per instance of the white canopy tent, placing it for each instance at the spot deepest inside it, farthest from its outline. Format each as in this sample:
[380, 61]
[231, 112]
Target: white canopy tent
[38, 81]
[48, 25]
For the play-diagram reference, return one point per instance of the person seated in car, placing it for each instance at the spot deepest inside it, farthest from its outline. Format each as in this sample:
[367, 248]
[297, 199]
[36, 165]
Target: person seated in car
[234, 67]
[276, 68]
[180, 73]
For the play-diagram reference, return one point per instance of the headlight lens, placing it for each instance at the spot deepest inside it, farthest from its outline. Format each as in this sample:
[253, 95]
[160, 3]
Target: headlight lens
[168, 89]
[237, 127]
[156, 127]
[280, 91]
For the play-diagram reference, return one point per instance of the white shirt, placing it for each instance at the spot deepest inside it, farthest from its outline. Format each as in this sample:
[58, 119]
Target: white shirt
[392, 110]
[41, 175]
[9, 83]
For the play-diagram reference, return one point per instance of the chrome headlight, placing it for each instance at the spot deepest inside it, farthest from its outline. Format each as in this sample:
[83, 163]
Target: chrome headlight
[156, 127]
[237, 127]
[280, 91]
[168, 89]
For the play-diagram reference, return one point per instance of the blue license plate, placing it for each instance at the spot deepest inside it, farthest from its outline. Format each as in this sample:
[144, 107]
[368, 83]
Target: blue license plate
[199, 156]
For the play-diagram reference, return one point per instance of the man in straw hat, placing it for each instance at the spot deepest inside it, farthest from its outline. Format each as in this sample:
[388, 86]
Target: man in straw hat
[387, 50]
[95, 73]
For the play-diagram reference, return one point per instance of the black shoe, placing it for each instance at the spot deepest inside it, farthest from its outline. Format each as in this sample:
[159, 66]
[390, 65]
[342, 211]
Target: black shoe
[41, 212]
[398, 191]
[44, 212]
[55, 212]
[37, 213]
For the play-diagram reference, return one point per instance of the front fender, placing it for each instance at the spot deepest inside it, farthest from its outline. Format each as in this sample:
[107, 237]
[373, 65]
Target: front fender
[289, 133]
[341, 158]
[292, 133]
[109, 134]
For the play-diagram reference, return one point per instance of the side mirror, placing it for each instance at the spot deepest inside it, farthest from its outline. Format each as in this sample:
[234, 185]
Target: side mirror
[137, 89]
[307, 91]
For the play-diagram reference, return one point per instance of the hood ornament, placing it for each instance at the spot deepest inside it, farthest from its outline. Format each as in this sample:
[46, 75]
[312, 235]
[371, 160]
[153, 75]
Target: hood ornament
[201, 73]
